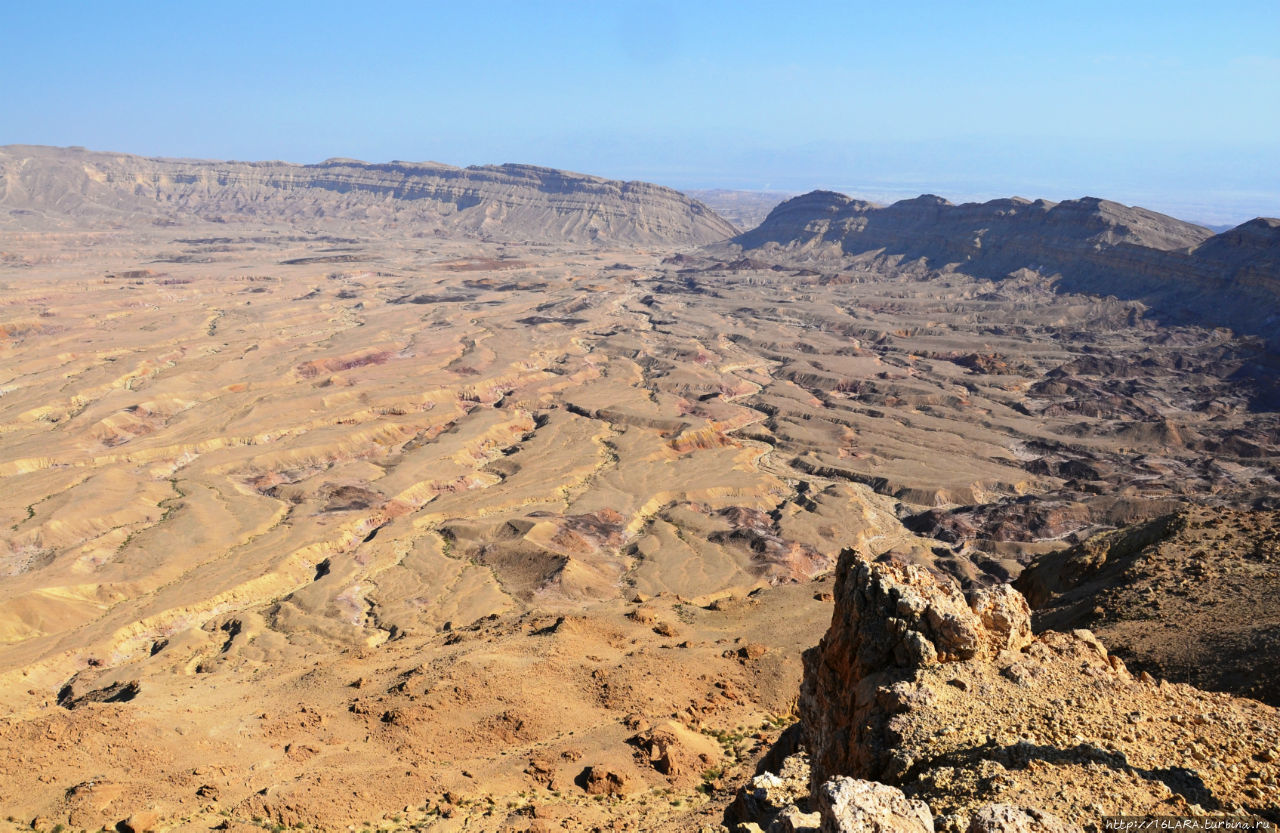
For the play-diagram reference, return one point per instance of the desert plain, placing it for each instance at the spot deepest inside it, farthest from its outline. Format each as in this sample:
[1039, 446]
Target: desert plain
[339, 524]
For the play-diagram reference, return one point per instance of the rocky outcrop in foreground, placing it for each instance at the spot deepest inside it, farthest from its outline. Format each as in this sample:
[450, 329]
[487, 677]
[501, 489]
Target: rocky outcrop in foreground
[1184, 271]
[926, 710]
[891, 624]
[42, 186]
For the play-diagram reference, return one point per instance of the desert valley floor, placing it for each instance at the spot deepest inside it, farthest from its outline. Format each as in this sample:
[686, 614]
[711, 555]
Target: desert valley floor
[309, 528]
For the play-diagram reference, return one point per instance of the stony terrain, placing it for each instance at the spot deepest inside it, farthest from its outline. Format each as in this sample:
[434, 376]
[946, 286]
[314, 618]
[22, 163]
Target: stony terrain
[329, 519]
[1001, 416]
[1188, 597]
[919, 694]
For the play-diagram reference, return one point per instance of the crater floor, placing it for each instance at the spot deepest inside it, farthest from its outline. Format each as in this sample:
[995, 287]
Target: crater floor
[366, 528]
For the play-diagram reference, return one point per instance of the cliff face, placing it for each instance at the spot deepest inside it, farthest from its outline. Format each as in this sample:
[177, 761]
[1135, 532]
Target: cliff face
[888, 624]
[40, 185]
[1183, 271]
[930, 226]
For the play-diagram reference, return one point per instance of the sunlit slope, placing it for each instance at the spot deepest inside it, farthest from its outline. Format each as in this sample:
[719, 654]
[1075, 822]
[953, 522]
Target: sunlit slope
[382, 450]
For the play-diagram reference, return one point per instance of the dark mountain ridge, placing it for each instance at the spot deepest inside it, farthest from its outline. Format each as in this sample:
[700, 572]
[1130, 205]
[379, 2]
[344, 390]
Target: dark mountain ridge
[1184, 272]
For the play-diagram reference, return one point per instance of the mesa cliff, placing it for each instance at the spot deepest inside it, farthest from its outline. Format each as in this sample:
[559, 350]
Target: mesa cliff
[42, 186]
[1183, 271]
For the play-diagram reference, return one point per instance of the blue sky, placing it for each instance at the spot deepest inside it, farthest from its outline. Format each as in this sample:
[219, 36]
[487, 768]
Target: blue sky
[1172, 104]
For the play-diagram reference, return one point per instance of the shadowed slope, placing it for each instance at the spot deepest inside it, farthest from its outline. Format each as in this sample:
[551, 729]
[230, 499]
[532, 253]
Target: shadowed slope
[1183, 271]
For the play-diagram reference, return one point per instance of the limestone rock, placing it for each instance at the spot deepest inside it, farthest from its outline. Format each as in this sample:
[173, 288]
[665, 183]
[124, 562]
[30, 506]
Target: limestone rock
[665, 752]
[676, 751]
[600, 781]
[769, 794]
[1005, 616]
[1055, 722]
[143, 822]
[792, 820]
[888, 621]
[848, 805]
[1005, 818]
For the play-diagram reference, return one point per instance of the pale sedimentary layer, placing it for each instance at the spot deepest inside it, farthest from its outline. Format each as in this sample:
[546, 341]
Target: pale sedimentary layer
[44, 186]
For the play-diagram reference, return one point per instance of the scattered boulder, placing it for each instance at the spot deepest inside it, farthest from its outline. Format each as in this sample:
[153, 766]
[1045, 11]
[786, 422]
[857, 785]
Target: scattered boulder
[666, 629]
[600, 781]
[143, 822]
[664, 751]
[119, 692]
[768, 795]
[541, 769]
[677, 752]
[793, 820]
[849, 805]
[644, 615]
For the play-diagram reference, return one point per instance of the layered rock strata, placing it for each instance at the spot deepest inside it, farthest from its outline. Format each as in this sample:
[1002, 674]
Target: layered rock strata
[509, 202]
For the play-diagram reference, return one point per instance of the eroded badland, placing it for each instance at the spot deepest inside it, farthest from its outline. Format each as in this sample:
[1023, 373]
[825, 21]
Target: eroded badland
[336, 521]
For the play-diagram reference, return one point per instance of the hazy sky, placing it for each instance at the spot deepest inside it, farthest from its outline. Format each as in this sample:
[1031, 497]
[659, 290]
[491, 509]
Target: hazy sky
[1170, 104]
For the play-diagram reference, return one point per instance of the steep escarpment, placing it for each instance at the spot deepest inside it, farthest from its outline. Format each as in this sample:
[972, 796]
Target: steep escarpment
[41, 186]
[1181, 270]
[521, 536]
[922, 709]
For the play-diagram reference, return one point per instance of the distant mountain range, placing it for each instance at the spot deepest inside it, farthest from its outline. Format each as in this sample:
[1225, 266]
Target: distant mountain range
[44, 186]
[1183, 271]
